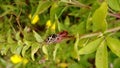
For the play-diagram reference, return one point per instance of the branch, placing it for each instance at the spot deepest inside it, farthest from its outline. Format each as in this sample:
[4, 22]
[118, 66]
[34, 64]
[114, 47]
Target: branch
[99, 33]
[115, 15]
[77, 4]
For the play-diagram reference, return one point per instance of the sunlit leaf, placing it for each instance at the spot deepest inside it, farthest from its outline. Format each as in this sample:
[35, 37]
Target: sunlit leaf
[34, 49]
[55, 51]
[26, 47]
[17, 36]
[101, 59]
[99, 18]
[44, 49]
[114, 4]
[38, 37]
[19, 47]
[114, 45]
[76, 47]
[90, 47]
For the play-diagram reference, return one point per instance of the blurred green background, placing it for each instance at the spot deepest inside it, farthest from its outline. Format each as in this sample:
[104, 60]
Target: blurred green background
[94, 24]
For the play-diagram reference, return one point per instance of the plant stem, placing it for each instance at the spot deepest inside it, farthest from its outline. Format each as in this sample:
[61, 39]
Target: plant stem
[99, 33]
[115, 15]
[77, 4]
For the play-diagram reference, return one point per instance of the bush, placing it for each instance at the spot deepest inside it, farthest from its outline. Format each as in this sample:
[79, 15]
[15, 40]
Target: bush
[59, 34]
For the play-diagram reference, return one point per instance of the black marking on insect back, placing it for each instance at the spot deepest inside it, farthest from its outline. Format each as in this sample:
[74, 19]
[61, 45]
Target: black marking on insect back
[51, 39]
[53, 35]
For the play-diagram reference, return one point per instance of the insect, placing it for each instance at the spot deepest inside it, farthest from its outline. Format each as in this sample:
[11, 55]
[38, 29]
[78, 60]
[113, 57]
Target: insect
[55, 38]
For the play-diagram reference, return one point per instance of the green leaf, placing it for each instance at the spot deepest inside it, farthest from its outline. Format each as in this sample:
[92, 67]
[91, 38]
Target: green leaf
[76, 65]
[26, 47]
[34, 49]
[13, 47]
[99, 18]
[17, 36]
[55, 51]
[67, 21]
[43, 5]
[3, 62]
[38, 37]
[5, 49]
[7, 9]
[44, 49]
[76, 47]
[53, 10]
[114, 45]
[2, 38]
[114, 4]
[9, 38]
[56, 10]
[19, 47]
[79, 28]
[101, 59]
[89, 23]
[90, 47]
[60, 26]
[116, 63]
[28, 35]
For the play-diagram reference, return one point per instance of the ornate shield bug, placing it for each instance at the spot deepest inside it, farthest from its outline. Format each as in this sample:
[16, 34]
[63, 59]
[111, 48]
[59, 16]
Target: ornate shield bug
[55, 38]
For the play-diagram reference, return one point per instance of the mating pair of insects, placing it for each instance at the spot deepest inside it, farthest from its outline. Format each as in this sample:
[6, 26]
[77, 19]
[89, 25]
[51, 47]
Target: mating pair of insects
[55, 38]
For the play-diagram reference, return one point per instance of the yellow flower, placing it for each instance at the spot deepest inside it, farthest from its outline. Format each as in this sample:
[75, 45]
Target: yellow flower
[50, 25]
[53, 27]
[34, 20]
[18, 59]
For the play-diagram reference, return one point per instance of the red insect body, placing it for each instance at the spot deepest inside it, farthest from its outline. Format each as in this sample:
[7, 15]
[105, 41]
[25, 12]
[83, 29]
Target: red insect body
[63, 34]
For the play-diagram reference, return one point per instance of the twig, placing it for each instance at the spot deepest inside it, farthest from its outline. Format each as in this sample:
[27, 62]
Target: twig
[77, 4]
[90, 35]
[113, 29]
[18, 22]
[11, 24]
[115, 15]
[99, 33]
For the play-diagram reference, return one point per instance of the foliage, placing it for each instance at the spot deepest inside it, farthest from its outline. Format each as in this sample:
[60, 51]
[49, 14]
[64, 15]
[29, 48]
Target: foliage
[93, 27]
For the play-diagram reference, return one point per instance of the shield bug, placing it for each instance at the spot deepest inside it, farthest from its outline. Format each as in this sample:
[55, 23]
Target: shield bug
[55, 38]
